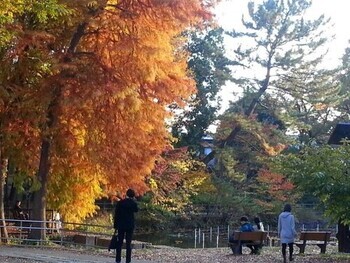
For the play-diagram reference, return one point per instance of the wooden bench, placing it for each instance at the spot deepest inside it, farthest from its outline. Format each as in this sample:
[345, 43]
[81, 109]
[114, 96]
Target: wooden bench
[256, 238]
[322, 236]
[17, 232]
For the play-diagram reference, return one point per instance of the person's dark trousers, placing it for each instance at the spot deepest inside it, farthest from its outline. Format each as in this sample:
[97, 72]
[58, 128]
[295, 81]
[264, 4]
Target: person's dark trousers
[127, 234]
[284, 252]
[255, 249]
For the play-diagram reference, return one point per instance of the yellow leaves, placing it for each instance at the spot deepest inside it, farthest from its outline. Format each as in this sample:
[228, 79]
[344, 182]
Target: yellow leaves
[77, 130]
[128, 100]
[153, 184]
[320, 106]
[8, 10]
[271, 150]
[112, 2]
[84, 181]
[175, 178]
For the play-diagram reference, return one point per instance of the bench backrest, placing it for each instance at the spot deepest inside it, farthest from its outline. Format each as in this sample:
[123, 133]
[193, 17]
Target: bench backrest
[253, 236]
[317, 236]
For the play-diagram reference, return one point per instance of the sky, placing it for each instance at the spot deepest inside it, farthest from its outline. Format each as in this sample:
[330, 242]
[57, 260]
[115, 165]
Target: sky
[229, 14]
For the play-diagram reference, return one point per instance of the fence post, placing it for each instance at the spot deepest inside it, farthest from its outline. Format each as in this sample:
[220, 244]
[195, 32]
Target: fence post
[61, 234]
[21, 229]
[211, 234]
[217, 241]
[199, 235]
[203, 239]
[228, 232]
[195, 238]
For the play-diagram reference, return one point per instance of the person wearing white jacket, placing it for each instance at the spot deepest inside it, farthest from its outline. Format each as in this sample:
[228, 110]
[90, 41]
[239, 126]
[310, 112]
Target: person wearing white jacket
[286, 231]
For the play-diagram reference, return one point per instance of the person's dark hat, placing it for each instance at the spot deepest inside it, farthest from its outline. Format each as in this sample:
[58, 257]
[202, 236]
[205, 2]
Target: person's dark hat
[130, 193]
[244, 218]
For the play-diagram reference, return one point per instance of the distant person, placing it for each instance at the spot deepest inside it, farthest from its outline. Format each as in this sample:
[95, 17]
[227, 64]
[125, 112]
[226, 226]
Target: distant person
[18, 212]
[124, 222]
[57, 221]
[245, 227]
[286, 231]
[258, 225]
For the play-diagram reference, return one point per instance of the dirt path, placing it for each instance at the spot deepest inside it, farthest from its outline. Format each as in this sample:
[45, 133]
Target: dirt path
[48, 255]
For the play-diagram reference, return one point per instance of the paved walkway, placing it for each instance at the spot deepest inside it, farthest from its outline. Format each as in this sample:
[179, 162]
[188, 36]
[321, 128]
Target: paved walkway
[48, 255]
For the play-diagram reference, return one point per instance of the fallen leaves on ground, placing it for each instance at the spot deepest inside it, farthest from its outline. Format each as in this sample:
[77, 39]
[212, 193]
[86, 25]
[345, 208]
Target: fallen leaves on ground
[162, 254]
[223, 255]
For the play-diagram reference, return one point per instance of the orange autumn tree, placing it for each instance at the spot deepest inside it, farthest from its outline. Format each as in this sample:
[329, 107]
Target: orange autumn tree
[120, 93]
[274, 189]
[113, 67]
[23, 67]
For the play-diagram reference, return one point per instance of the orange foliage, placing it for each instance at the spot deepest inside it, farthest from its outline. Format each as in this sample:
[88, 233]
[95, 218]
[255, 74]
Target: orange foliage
[111, 94]
[276, 185]
[138, 68]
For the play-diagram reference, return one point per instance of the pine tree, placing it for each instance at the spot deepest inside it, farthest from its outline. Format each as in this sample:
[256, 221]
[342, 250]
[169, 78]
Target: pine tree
[285, 51]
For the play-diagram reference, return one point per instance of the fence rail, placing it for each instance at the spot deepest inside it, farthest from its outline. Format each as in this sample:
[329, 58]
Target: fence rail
[61, 233]
[88, 235]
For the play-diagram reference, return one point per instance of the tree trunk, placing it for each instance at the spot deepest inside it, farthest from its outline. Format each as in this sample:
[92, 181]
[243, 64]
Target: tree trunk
[343, 237]
[39, 202]
[252, 105]
[39, 207]
[3, 173]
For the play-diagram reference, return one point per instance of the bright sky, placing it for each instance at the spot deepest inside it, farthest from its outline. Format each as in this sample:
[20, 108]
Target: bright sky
[229, 14]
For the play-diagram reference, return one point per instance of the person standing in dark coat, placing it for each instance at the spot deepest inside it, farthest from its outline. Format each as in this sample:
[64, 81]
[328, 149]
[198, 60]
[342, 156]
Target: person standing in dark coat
[124, 222]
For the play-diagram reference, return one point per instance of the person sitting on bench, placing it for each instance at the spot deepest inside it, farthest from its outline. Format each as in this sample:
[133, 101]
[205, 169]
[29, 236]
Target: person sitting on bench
[245, 227]
[18, 212]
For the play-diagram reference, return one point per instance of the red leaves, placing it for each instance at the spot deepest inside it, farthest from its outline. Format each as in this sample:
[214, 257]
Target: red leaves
[277, 186]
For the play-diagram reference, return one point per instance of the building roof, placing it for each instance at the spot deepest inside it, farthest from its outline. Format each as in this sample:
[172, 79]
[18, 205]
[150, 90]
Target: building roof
[340, 132]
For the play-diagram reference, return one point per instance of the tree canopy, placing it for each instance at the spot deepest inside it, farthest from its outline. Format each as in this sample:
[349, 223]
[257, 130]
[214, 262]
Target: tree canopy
[87, 85]
[210, 68]
[285, 50]
[321, 172]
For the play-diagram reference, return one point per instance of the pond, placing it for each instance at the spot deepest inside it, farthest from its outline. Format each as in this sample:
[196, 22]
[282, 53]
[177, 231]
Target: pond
[182, 240]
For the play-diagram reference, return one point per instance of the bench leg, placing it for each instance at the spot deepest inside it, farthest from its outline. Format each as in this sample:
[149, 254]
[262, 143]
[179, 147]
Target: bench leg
[301, 248]
[322, 247]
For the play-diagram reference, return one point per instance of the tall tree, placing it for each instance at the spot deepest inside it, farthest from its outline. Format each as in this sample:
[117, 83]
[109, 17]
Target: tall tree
[285, 51]
[210, 68]
[111, 69]
[23, 68]
[343, 108]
